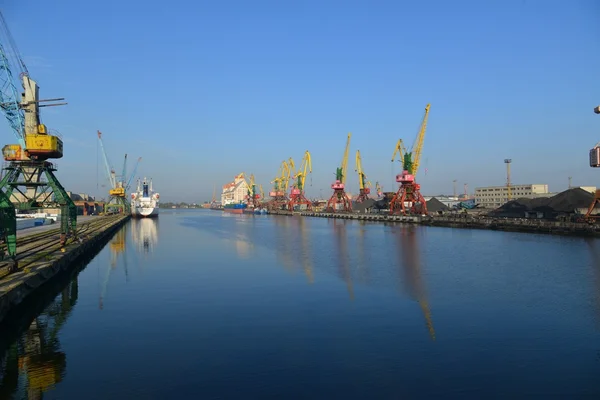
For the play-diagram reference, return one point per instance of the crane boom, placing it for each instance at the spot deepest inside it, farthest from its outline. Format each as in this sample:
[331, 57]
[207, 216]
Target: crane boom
[418, 146]
[301, 172]
[133, 174]
[109, 174]
[344, 168]
[124, 171]
[361, 175]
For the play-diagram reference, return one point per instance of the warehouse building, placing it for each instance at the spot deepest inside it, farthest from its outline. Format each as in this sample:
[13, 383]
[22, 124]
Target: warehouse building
[495, 196]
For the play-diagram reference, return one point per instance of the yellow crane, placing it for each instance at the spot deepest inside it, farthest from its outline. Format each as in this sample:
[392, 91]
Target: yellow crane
[339, 200]
[278, 193]
[379, 189]
[252, 198]
[297, 196]
[408, 198]
[363, 184]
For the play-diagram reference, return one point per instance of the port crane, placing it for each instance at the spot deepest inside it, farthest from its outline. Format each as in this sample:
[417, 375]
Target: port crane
[253, 197]
[379, 189]
[363, 184]
[297, 196]
[409, 190]
[29, 180]
[594, 163]
[281, 182]
[119, 184]
[339, 200]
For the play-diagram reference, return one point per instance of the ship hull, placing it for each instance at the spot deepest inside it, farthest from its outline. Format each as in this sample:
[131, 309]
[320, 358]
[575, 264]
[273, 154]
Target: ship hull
[144, 212]
[234, 210]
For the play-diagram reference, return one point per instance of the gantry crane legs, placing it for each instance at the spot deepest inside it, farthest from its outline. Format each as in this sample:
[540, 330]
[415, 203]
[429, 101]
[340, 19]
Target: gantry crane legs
[594, 163]
[409, 191]
[339, 200]
[363, 184]
[297, 197]
[23, 181]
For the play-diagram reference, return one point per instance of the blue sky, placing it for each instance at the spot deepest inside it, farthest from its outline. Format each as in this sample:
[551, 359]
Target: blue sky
[203, 90]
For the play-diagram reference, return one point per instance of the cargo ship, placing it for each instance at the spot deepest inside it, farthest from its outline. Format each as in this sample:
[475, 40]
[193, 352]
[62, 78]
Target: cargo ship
[255, 211]
[144, 202]
[235, 208]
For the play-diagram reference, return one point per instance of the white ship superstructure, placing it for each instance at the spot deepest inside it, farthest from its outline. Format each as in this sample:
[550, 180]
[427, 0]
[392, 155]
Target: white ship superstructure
[144, 201]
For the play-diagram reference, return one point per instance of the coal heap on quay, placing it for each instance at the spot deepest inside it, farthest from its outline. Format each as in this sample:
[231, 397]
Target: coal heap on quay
[433, 205]
[571, 201]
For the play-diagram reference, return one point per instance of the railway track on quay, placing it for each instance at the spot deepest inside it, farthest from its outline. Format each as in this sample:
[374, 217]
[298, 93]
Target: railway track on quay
[35, 247]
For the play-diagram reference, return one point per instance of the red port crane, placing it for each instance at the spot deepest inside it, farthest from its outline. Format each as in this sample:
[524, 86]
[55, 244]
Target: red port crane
[297, 197]
[408, 199]
[339, 200]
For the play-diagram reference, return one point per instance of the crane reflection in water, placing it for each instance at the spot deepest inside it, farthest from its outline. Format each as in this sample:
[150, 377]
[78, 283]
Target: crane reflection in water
[343, 256]
[118, 247]
[34, 363]
[411, 270]
[293, 245]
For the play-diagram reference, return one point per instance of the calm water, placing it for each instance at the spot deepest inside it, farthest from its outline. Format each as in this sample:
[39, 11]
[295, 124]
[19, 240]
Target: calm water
[198, 304]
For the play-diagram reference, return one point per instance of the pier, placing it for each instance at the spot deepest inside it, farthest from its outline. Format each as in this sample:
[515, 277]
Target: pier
[41, 257]
[467, 221]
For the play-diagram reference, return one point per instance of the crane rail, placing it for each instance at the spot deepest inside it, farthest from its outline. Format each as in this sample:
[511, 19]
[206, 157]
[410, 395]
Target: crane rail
[33, 248]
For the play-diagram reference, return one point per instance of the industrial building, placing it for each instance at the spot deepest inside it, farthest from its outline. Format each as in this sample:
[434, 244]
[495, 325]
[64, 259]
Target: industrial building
[235, 192]
[495, 196]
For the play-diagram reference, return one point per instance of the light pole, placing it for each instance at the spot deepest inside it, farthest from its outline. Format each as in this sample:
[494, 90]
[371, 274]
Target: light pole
[507, 161]
[454, 185]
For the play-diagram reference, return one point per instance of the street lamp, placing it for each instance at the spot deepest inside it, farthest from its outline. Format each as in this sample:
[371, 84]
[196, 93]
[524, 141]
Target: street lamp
[597, 110]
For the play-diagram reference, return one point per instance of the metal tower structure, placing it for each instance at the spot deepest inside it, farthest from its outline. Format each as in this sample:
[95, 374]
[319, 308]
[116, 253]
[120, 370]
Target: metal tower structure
[119, 184]
[339, 200]
[408, 199]
[29, 181]
[363, 184]
[278, 193]
[507, 161]
[297, 196]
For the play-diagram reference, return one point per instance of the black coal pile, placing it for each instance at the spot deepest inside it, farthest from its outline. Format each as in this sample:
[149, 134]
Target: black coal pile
[570, 200]
[363, 206]
[566, 202]
[434, 205]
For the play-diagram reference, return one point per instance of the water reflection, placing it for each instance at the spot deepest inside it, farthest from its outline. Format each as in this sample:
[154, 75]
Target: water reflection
[118, 247]
[594, 250]
[293, 245]
[34, 363]
[343, 256]
[411, 270]
[363, 266]
[283, 242]
[145, 234]
[305, 252]
[243, 246]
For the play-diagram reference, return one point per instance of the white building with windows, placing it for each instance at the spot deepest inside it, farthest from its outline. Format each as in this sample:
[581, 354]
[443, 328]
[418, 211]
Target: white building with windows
[495, 196]
[235, 192]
